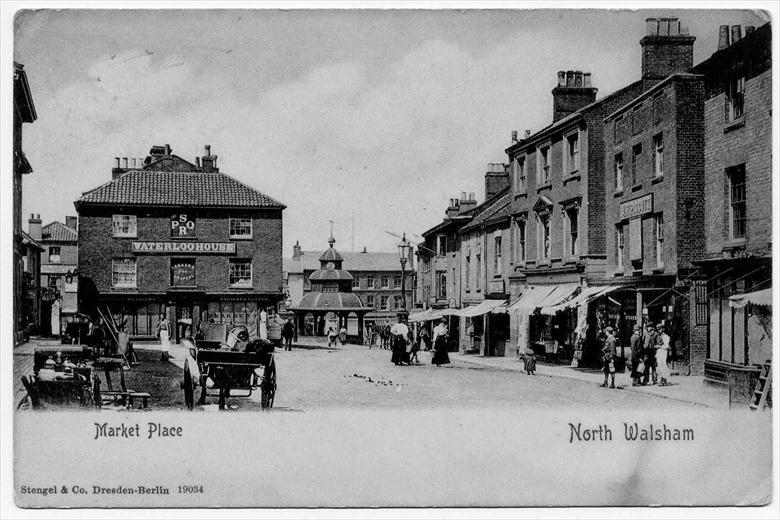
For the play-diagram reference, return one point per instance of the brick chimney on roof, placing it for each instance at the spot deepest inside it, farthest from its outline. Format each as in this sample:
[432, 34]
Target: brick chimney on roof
[667, 48]
[71, 222]
[496, 179]
[208, 161]
[34, 226]
[573, 92]
[297, 251]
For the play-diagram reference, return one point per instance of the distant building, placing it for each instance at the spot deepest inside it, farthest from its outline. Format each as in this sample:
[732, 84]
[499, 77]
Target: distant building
[59, 276]
[737, 189]
[329, 300]
[181, 239]
[24, 300]
[486, 255]
[375, 279]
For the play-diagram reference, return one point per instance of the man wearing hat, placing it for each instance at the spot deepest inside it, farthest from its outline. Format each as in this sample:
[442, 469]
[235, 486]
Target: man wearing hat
[636, 355]
[609, 357]
[648, 350]
[662, 347]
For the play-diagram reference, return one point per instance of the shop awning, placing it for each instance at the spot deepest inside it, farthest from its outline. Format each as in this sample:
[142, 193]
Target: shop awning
[483, 307]
[587, 294]
[531, 298]
[762, 297]
[438, 314]
[560, 294]
[419, 316]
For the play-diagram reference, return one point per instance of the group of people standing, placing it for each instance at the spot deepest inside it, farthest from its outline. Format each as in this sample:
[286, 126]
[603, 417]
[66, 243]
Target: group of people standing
[649, 353]
[405, 346]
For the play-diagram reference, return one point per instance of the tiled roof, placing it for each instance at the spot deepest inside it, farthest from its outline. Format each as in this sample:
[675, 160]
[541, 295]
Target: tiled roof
[499, 209]
[353, 262]
[58, 232]
[330, 274]
[331, 301]
[147, 188]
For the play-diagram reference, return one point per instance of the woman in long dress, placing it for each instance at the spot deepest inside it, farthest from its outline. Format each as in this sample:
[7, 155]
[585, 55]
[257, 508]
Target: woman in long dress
[662, 350]
[164, 331]
[440, 356]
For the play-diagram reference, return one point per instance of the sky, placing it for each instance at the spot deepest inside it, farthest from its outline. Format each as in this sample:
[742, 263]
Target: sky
[370, 118]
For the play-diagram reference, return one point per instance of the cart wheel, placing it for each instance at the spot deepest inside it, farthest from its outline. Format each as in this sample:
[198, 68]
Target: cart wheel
[189, 387]
[268, 386]
[97, 399]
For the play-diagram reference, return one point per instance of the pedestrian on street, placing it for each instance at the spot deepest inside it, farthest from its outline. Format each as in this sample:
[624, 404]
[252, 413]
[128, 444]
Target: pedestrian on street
[331, 337]
[425, 338]
[608, 352]
[636, 355]
[164, 332]
[470, 333]
[386, 337]
[288, 332]
[662, 347]
[440, 333]
[415, 343]
[648, 349]
[343, 335]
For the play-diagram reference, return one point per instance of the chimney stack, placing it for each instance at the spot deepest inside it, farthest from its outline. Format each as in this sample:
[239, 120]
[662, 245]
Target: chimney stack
[116, 162]
[723, 37]
[666, 49]
[528, 132]
[167, 149]
[297, 251]
[514, 136]
[34, 226]
[736, 33]
[124, 162]
[496, 179]
[208, 161]
[452, 209]
[573, 92]
[117, 170]
[71, 222]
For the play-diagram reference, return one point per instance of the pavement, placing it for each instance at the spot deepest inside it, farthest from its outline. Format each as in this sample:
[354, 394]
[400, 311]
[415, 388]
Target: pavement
[687, 389]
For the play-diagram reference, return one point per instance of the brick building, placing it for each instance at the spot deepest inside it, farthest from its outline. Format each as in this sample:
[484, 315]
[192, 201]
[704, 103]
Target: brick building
[655, 210]
[736, 256]
[376, 279]
[181, 239]
[59, 278]
[485, 254]
[24, 112]
[561, 232]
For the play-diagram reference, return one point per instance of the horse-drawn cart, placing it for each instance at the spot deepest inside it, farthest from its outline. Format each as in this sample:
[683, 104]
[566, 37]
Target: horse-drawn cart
[229, 364]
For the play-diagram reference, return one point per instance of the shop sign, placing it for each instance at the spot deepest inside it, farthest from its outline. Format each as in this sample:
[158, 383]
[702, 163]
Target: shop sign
[183, 274]
[635, 238]
[636, 207]
[202, 248]
[182, 226]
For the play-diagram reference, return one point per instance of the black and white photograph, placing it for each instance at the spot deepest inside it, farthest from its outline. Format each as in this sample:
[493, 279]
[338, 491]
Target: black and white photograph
[402, 257]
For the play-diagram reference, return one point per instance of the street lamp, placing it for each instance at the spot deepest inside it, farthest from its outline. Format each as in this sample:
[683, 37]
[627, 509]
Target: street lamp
[403, 255]
[70, 275]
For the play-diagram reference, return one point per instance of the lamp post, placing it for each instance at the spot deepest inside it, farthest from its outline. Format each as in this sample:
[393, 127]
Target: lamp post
[403, 255]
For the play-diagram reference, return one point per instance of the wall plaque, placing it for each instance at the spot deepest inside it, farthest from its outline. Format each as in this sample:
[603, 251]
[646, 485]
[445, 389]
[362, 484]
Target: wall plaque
[636, 207]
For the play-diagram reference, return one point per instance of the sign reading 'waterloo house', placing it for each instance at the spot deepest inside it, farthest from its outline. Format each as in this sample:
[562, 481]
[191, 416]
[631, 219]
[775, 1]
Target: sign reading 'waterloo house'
[203, 248]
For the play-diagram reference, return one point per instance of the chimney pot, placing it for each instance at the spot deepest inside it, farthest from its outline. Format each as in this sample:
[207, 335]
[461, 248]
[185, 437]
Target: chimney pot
[586, 79]
[208, 149]
[736, 33]
[651, 26]
[32, 216]
[116, 162]
[749, 29]
[462, 195]
[472, 196]
[663, 27]
[514, 136]
[197, 162]
[124, 162]
[723, 37]
[133, 162]
[167, 149]
[561, 78]
[578, 78]
[569, 78]
[674, 26]
[527, 133]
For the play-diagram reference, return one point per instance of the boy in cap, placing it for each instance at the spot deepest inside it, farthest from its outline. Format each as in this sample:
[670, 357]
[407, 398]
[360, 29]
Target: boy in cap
[609, 357]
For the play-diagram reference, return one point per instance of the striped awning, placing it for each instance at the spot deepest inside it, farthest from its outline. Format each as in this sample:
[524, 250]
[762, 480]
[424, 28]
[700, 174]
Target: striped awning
[532, 296]
[586, 295]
